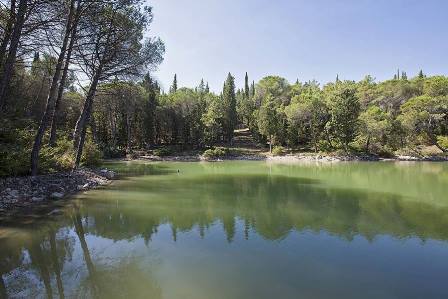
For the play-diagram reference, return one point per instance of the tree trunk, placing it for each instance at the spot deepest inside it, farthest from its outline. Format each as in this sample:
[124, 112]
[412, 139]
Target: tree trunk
[368, 144]
[56, 266]
[8, 67]
[55, 112]
[83, 120]
[270, 144]
[128, 132]
[8, 31]
[51, 96]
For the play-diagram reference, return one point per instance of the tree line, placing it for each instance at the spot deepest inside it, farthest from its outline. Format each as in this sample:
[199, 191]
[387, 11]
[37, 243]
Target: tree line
[366, 116]
[76, 75]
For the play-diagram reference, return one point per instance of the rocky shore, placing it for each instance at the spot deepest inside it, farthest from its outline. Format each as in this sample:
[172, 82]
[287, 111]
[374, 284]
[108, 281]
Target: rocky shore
[22, 192]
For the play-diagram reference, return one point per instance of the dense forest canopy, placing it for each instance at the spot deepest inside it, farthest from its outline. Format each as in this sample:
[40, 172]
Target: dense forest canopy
[76, 84]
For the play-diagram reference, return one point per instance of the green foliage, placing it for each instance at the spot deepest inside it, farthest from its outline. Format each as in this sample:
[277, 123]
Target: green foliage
[442, 141]
[15, 148]
[229, 100]
[163, 152]
[278, 150]
[268, 119]
[423, 118]
[344, 109]
[374, 127]
[91, 155]
[215, 153]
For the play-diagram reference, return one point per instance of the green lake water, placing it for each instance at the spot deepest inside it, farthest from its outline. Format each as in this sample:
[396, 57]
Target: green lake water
[239, 230]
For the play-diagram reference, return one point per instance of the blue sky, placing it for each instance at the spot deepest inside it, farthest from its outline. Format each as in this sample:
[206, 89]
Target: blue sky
[313, 39]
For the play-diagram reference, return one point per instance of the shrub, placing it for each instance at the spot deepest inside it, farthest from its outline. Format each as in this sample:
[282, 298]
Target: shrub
[278, 150]
[15, 148]
[218, 152]
[163, 152]
[113, 152]
[91, 155]
[442, 141]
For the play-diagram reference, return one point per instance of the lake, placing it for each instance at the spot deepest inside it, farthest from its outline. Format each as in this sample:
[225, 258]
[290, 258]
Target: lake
[239, 230]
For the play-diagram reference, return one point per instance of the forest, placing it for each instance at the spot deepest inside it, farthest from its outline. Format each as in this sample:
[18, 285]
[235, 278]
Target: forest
[76, 86]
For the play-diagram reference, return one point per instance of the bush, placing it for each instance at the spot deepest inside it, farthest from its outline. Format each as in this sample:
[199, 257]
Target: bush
[15, 148]
[163, 152]
[442, 141]
[218, 152]
[113, 152]
[91, 155]
[278, 150]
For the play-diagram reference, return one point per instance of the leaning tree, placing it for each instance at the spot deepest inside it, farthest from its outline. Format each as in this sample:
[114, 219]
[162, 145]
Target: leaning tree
[111, 45]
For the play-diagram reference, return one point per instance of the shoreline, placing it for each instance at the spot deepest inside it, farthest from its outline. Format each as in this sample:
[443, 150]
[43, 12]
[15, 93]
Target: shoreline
[290, 158]
[19, 194]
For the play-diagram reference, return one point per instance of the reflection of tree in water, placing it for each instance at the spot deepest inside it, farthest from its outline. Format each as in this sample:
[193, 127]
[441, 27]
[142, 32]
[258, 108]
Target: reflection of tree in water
[270, 205]
[40, 258]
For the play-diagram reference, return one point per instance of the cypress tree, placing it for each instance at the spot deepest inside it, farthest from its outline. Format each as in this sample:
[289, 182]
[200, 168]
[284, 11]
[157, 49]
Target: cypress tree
[404, 76]
[252, 89]
[421, 75]
[229, 99]
[173, 88]
[246, 86]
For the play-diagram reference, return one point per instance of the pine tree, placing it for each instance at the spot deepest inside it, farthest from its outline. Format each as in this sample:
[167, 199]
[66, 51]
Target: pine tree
[337, 78]
[207, 88]
[173, 88]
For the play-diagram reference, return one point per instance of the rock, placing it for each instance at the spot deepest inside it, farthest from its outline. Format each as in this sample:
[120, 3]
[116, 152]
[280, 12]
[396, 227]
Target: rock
[57, 195]
[110, 175]
[36, 199]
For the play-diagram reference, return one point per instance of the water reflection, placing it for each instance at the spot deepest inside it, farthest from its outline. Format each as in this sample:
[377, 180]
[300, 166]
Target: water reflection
[104, 245]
